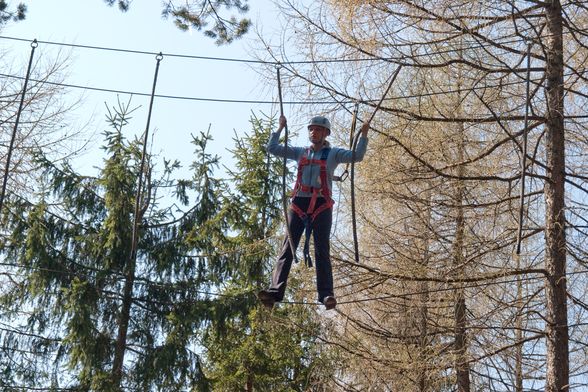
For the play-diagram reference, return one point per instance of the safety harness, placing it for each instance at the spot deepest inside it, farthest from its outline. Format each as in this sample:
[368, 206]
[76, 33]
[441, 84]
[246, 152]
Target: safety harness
[311, 213]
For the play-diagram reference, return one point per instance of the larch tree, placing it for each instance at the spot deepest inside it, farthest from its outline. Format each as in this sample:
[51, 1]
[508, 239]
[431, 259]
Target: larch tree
[44, 124]
[464, 137]
[35, 112]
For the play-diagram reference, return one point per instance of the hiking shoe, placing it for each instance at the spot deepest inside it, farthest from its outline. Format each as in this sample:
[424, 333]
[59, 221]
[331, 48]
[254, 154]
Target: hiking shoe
[267, 298]
[330, 302]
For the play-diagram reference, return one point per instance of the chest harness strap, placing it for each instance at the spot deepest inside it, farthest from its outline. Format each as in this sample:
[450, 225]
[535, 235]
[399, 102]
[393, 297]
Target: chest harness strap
[311, 213]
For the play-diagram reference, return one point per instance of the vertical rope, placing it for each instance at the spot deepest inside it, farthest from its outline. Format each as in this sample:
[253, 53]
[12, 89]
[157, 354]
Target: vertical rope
[266, 192]
[354, 144]
[354, 140]
[284, 197]
[353, 125]
[392, 79]
[131, 266]
[134, 240]
[34, 45]
[524, 157]
[345, 173]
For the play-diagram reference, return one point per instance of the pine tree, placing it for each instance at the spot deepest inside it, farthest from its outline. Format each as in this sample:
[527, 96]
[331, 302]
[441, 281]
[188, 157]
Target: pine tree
[453, 144]
[198, 15]
[18, 14]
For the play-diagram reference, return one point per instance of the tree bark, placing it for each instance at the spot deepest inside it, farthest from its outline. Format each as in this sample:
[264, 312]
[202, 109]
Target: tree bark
[127, 301]
[123, 327]
[557, 378]
[424, 341]
[519, 335]
[249, 386]
[460, 314]
[462, 367]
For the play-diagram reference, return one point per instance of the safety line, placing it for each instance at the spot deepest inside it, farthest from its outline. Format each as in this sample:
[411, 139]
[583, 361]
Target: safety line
[267, 62]
[127, 299]
[194, 57]
[186, 98]
[276, 62]
[284, 171]
[171, 286]
[345, 172]
[354, 147]
[415, 293]
[264, 102]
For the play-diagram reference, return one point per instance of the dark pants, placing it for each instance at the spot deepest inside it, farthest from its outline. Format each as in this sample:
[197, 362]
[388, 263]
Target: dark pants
[321, 231]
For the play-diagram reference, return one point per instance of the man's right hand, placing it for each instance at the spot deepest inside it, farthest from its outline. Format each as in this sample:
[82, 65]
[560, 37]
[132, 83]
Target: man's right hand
[282, 123]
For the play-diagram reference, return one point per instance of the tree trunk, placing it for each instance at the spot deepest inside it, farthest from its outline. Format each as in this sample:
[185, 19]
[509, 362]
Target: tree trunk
[123, 326]
[424, 343]
[555, 240]
[249, 386]
[423, 376]
[462, 367]
[460, 314]
[127, 301]
[519, 335]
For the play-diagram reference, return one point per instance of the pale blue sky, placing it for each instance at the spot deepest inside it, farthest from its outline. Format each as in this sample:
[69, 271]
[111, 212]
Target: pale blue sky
[92, 22]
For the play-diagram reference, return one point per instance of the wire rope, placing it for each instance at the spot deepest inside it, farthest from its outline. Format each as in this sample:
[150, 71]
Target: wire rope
[34, 45]
[266, 102]
[341, 178]
[354, 147]
[277, 62]
[130, 278]
[284, 171]
[197, 57]
[469, 284]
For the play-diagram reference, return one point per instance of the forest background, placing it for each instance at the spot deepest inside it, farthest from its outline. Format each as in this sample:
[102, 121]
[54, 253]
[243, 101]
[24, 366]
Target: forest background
[132, 248]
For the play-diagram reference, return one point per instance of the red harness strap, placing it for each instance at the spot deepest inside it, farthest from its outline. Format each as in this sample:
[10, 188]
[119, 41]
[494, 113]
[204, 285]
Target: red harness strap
[323, 191]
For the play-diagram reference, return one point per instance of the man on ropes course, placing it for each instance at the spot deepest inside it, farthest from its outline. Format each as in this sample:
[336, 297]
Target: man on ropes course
[311, 207]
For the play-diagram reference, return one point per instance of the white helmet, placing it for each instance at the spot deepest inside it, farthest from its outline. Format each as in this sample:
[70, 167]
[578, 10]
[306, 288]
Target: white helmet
[320, 121]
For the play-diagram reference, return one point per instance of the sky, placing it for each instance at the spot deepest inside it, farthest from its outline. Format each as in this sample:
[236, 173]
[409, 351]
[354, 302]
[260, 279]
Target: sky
[94, 23]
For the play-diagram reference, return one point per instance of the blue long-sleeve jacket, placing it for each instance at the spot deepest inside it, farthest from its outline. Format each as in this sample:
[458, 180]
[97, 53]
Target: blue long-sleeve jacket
[311, 173]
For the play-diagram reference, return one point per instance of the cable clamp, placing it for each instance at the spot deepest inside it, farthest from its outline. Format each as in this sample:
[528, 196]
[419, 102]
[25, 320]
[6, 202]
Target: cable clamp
[342, 177]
